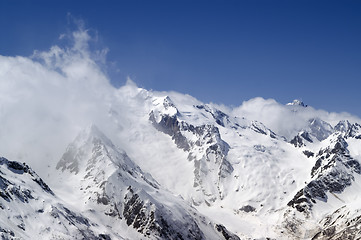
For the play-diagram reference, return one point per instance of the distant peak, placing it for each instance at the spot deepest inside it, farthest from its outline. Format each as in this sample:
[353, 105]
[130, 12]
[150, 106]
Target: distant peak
[297, 102]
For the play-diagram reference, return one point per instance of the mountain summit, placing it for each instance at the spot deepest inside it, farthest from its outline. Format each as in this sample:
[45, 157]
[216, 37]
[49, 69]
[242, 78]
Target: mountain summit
[297, 102]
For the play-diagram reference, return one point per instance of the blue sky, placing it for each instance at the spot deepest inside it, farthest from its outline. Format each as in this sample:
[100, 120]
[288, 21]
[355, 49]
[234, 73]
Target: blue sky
[220, 51]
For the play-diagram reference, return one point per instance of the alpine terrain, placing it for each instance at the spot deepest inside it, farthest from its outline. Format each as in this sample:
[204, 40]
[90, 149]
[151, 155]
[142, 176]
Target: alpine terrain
[163, 165]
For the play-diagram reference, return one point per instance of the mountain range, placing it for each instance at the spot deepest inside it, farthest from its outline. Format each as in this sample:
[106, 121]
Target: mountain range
[163, 165]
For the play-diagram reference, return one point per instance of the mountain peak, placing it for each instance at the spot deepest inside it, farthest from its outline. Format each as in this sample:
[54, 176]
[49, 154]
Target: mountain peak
[296, 102]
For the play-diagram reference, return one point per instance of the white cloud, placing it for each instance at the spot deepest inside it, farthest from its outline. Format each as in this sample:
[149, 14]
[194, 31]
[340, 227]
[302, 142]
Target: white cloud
[47, 98]
[286, 120]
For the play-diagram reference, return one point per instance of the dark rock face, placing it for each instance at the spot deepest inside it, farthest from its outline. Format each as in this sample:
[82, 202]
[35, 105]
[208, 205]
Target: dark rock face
[248, 208]
[306, 136]
[300, 139]
[104, 237]
[299, 201]
[308, 153]
[260, 128]
[333, 171]
[7, 234]
[170, 125]
[9, 190]
[149, 219]
[297, 141]
[225, 233]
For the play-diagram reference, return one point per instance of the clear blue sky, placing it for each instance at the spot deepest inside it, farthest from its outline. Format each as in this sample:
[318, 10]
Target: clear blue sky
[220, 51]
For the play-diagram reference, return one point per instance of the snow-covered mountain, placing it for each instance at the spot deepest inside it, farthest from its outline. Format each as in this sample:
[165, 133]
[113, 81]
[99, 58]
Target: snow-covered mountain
[109, 185]
[163, 165]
